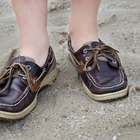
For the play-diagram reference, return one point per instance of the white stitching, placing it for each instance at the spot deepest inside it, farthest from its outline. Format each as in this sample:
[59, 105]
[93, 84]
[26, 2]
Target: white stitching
[103, 87]
[18, 101]
[51, 60]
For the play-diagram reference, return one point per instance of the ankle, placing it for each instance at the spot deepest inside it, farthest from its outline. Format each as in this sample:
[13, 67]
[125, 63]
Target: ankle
[78, 38]
[38, 53]
[35, 47]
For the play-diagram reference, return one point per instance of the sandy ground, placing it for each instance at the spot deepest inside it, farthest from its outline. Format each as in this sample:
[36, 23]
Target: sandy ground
[64, 111]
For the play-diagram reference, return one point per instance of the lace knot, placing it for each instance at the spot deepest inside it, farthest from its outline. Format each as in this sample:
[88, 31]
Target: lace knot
[102, 51]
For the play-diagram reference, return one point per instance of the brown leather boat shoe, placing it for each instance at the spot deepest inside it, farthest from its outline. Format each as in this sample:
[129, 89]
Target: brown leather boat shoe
[20, 84]
[101, 71]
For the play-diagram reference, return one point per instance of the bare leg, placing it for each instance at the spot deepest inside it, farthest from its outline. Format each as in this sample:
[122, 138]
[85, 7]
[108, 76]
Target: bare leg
[83, 23]
[32, 20]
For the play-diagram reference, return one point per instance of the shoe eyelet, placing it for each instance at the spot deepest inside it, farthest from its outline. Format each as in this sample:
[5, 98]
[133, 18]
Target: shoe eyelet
[89, 68]
[87, 58]
[84, 50]
[114, 61]
[29, 67]
[44, 69]
[24, 78]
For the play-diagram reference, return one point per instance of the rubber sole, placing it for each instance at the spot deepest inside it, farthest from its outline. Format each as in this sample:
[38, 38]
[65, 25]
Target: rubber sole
[106, 97]
[48, 80]
[103, 97]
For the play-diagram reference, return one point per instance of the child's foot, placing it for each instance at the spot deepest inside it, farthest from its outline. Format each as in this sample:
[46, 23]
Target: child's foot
[101, 71]
[78, 38]
[21, 82]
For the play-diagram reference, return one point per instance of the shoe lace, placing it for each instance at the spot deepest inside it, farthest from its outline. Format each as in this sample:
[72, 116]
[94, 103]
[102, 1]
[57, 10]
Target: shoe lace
[13, 71]
[105, 51]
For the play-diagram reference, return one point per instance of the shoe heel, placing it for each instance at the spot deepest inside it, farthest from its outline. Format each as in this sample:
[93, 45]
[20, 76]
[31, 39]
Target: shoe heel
[49, 79]
[74, 64]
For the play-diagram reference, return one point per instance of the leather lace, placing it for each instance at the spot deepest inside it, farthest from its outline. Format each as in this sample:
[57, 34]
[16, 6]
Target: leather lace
[102, 51]
[12, 71]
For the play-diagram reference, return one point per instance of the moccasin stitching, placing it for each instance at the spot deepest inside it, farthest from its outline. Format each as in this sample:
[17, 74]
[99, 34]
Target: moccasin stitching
[102, 86]
[17, 102]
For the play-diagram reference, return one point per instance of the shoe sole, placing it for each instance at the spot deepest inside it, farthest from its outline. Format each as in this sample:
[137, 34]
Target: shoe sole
[106, 97]
[48, 80]
[103, 97]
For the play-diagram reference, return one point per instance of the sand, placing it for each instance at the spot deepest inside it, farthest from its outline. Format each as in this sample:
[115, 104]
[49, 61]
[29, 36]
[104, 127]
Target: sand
[64, 111]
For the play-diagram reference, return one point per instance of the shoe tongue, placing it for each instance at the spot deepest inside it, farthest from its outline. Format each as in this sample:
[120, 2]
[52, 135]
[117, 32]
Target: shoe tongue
[90, 44]
[21, 59]
[93, 44]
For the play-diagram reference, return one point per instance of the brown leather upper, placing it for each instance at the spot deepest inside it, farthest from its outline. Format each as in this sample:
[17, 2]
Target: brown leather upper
[21, 82]
[100, 67]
